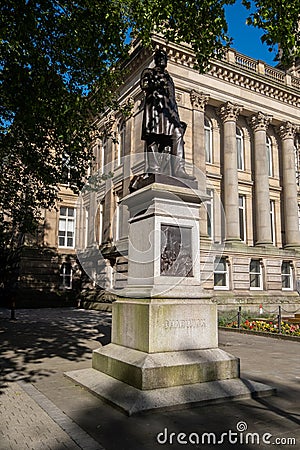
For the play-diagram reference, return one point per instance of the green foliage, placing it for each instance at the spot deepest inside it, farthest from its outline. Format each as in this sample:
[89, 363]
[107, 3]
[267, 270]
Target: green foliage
[280, 21]
[200, 23]
[60, 68]
[52, 54]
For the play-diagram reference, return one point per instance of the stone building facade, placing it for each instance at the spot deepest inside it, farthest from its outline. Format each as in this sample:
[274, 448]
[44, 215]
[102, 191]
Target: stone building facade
[243, 137]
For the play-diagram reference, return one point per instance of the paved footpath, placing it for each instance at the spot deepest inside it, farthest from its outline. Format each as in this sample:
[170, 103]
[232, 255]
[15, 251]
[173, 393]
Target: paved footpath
[41, 409]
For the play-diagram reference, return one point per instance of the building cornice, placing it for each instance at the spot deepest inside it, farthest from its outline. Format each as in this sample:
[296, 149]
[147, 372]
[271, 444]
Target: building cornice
[240, 70]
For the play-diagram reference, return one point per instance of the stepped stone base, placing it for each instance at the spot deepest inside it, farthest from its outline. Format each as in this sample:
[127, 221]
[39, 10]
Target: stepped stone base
[166, 369]
[132, 400]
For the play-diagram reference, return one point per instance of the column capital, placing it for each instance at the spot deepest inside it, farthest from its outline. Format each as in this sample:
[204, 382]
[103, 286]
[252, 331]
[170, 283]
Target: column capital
[126, 108]
[229, 112]
[287, 130]
[198, 100]
[109, 124]
[260, 121]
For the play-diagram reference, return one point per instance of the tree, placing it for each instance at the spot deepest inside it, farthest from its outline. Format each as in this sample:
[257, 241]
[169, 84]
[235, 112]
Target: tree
[280, 21]
[61, 64]
[53, 56]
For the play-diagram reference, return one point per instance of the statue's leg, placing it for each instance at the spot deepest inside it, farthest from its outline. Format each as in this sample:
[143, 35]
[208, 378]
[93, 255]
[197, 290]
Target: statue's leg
[178, 165]
[165, 150]
[178, 151]
[153, 163]
[178, 143]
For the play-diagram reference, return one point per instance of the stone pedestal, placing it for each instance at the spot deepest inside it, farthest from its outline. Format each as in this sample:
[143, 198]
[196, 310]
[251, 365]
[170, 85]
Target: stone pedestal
[164, 345]
[163, 249]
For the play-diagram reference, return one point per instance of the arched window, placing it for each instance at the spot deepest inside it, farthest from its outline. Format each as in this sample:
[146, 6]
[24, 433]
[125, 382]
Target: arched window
[240, 149]
[272, 217]
[242, 217]
[208, 140]
[120, 143]
[269, 156]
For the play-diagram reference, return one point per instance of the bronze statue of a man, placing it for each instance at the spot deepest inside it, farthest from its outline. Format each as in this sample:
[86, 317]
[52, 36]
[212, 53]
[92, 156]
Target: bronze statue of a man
[162, 128]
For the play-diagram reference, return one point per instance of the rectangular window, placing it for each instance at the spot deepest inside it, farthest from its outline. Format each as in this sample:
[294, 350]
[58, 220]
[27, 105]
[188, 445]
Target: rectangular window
[210, 213]
[220, 274]
[242, 217]
[272, 216]
[66, 276]
[240, 156]
[286, 275]
[66, 228]
[255, 274]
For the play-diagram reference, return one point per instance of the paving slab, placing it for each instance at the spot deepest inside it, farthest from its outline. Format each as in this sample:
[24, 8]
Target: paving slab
[24, 424]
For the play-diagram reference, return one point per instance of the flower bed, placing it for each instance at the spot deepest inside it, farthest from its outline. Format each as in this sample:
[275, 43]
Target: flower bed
[267, 327]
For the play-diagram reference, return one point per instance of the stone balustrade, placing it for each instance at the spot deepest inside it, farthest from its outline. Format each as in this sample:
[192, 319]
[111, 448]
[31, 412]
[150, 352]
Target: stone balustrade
[260, 67]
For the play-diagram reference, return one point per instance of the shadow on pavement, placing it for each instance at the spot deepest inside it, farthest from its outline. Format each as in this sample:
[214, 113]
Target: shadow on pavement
[38, 339]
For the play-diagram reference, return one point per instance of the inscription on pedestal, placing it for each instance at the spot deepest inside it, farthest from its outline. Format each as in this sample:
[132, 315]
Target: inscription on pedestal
[164, 325]
[185, 323]
[176, 251]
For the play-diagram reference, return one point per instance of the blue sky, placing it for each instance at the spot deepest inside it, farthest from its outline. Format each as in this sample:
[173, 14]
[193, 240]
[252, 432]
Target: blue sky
[247, 39]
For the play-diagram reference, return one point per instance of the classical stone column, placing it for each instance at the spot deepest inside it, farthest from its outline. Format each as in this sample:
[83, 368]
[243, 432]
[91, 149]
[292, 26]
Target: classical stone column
[198, 102]
[229, 113]
[259, 123]
[287, 133]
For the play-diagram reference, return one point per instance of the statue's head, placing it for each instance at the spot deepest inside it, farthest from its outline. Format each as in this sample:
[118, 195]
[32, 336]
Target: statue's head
[160, 58]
